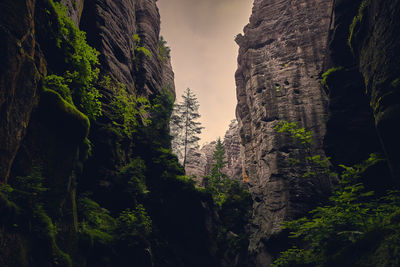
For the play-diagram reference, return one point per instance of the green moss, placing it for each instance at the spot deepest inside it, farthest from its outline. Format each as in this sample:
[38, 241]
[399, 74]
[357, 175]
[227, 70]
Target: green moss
[134, 222]
[356, 24]
[139, 50]
[59, 85]
[129, 112]
[49, 232]
[326, 74]
[80, 71]
[395, 83]
[96, 236]
[78, 123]
[8, 210]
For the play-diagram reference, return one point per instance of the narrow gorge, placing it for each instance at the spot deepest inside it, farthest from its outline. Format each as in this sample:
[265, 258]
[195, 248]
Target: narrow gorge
[308, 175]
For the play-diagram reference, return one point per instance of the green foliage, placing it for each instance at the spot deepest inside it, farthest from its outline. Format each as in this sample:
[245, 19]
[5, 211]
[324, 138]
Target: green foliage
[6, 189]
[313, 165]
[132, 177]
[184, 126]
[96, 222]
[129, 111]
[144, 50]
[80, 73]
[218, 184]
[45, 229]
[294, 257]
[28, 190]
[299, 135]
[77, 121]
[356, 24]
[351, 214]
[59, 85]
[395, 83]
[93, 215]
[163, 50]
[80, 57]
[133, 223]
[326, 74]
[140, 49]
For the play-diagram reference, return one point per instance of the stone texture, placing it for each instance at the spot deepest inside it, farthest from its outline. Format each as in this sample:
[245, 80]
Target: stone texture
[74, 9]
[363, 102]
[232, 152]
[281, 57]
[111, 26]
[21, 69]
[199, 162]
[376, 45]
[351, 134]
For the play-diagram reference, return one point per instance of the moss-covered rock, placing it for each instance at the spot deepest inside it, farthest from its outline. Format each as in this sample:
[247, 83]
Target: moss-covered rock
[63, 117]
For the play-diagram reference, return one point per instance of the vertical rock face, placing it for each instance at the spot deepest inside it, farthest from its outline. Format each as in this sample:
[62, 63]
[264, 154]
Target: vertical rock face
[233, 159]
[199, 162]
[44, 137]
[351, 134]
[375, 39]
[111, 26]
[363, 89]
[280, 59]
[20, 71]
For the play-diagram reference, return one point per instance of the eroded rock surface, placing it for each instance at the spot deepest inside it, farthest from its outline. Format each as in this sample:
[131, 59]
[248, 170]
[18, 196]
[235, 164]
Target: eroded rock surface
[281, 57]
[363, 92]
[200, 161]
[21, 69]
[111, 26]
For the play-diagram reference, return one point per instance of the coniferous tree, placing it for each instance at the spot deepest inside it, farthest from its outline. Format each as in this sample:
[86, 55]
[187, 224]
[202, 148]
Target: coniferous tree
[184, 127]
[218, 182]
[216, 172]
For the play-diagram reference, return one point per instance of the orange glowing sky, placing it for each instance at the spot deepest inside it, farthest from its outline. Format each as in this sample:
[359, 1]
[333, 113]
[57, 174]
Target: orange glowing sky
[201, 35]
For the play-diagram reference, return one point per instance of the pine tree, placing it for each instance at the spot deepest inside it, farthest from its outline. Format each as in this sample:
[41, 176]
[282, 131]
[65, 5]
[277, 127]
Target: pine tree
[216, 172]
[218, 183]
[184, 127]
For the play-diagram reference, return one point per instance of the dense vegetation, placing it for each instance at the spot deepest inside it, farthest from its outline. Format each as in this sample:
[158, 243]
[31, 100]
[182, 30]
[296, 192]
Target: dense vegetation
[95, 182]
[351, 222]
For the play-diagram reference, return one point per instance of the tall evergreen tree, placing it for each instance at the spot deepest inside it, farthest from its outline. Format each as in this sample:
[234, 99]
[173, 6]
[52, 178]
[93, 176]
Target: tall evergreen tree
[184, 127]
[219, 163]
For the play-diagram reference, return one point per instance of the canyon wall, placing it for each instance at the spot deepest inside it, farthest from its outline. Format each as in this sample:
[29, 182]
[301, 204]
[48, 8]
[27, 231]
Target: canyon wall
[87, 177]
[281, 58]
[363, 76]
[331, 67]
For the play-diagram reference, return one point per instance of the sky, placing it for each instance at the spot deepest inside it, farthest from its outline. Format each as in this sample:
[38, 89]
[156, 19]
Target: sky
[201, 36]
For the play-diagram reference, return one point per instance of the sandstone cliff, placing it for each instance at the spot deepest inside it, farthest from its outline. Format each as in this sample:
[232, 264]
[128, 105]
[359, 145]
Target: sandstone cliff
[79, 188]
[200, 161]
[363, 62]
[281, 56]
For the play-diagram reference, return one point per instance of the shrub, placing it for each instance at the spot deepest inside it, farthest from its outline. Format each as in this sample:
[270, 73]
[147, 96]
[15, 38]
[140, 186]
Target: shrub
[129, 111]
[80, 72]
[133, 223]
[163, 50]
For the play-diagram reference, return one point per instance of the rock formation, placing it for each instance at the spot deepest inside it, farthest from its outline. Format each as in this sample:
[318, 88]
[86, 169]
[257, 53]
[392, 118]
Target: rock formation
[361, 79]
[281, 57]
[200, 161]
[82, 179]
[20, 72]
